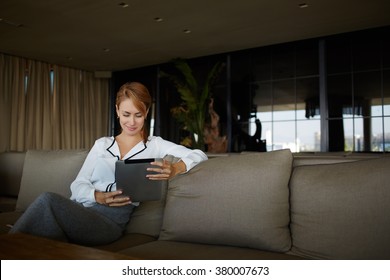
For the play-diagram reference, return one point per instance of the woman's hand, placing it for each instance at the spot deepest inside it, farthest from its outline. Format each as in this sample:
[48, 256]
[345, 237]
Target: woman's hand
[165, 170]
[114, 198]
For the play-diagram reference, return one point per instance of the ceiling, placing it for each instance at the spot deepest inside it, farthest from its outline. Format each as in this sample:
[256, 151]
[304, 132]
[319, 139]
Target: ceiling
[111, 35]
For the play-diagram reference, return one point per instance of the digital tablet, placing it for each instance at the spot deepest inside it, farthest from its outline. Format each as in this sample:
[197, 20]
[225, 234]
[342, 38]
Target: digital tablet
[130, 176]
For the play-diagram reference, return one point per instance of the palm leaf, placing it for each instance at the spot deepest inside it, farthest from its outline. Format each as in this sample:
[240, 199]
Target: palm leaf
[186, 71]
[188, 97]
[192, 113]
[185, 92]
[212, 75]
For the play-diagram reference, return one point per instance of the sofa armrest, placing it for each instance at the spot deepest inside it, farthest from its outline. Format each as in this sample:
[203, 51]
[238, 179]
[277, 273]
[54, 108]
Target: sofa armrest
[11, 168]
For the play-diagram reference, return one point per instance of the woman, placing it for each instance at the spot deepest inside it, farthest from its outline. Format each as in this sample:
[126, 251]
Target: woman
[94, 215]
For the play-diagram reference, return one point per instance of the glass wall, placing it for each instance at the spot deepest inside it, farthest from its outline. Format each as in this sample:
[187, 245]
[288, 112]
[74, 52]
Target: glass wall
[284, 83]
[268, 98]
[358, 92]
[285, 94]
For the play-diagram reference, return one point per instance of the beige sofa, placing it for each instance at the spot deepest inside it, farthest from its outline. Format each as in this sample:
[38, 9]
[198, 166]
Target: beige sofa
[274, 205]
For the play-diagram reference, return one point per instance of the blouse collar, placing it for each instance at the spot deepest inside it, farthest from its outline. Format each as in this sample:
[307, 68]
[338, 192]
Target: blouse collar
[113, 149]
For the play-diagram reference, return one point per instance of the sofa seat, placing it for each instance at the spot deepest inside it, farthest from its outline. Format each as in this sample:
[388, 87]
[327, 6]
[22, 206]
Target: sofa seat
[171, 250]
[128, 240]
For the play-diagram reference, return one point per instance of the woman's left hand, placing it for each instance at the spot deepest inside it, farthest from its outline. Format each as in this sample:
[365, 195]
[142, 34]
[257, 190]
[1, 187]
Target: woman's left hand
[164, 170]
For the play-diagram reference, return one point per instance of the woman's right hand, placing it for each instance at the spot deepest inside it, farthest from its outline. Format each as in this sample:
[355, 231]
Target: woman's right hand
[112, 199]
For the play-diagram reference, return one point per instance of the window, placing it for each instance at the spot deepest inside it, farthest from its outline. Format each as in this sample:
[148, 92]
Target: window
[282, 100]
[285, 92]
[358, 91]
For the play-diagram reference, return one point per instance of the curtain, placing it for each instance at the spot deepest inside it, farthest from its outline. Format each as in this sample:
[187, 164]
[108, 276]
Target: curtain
[81, 108]
[38, 106]
[47, 106]
[12, 99]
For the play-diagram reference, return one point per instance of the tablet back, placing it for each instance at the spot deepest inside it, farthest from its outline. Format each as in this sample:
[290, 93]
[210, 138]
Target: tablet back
[130, 176]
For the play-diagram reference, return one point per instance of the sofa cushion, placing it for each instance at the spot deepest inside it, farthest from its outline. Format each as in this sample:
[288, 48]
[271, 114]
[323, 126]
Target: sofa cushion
[52, 171]
[240, 200]
[147, 218]
[341, 211]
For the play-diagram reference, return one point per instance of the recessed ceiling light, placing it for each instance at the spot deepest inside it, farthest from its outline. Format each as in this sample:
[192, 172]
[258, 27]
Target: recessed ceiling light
[158, 19]
[123, 5]
[106, 49]
[186, 31]
[303, 5]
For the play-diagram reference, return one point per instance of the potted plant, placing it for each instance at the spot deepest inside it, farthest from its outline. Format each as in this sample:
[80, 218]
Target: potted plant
[195, 97]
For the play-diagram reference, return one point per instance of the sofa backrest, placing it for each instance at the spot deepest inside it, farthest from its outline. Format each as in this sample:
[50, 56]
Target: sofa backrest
[341, 211]
[48, 171]
[331, 158]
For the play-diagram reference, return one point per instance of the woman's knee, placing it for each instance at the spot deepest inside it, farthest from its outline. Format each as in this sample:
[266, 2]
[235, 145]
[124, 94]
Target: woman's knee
[48, 198]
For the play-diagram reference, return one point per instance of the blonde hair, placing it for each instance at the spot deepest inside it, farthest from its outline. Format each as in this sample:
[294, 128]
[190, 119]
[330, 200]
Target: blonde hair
[139, 94]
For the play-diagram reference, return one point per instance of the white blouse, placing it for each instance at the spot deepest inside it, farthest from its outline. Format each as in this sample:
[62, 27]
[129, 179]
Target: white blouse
[98, 170]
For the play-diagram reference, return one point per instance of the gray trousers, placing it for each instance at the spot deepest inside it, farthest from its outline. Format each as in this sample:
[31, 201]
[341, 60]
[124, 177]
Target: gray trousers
[56, 217]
